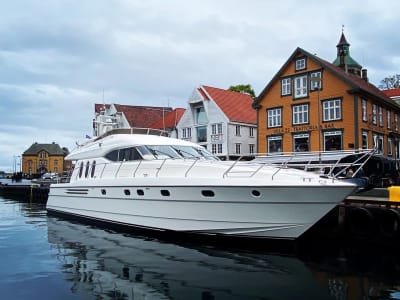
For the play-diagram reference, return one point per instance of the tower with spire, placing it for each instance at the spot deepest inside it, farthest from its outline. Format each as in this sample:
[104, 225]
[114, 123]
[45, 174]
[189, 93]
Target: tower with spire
[344, 60]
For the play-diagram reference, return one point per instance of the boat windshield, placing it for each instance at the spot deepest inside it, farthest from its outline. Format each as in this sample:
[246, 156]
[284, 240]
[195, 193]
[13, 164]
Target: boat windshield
[151, 152]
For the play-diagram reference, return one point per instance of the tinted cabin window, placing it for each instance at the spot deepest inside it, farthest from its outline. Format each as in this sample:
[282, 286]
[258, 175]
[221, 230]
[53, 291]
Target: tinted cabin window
[113, 155]
[129, 154]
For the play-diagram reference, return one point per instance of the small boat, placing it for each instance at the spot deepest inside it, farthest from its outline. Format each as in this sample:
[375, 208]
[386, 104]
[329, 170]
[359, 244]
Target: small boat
[159, 183]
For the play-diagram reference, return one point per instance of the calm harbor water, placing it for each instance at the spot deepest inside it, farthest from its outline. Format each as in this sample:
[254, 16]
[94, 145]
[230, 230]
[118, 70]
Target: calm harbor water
[44, 257]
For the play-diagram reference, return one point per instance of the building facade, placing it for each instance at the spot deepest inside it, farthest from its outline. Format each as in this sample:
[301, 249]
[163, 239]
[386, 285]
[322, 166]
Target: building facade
[117, 116]
[42, 158]
[221, 121]
[314, 105]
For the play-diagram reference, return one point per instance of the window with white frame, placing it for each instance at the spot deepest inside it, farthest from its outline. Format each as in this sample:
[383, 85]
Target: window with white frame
[286, 85]
[237, 130]
[374, 117]
[186, 133]
[216, 148]
[300, 114]
[317, 83]
[274, 144]
[237, 148]
[388, 119]
[300, 63]
[251, 131]
[251, 148]
[301, 142]
[380, 116]
[300, 86]
[389, 145]
[332, 110]
[216, 128]
[364, 140]
[364, 110]
[378, 142]
[333, 140]
[274, 117]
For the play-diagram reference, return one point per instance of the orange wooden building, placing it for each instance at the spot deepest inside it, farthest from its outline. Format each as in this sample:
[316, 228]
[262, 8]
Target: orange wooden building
[312, 105]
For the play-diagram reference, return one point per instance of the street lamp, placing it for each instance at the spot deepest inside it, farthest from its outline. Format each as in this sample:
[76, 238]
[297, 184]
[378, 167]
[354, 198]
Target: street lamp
[318, 80]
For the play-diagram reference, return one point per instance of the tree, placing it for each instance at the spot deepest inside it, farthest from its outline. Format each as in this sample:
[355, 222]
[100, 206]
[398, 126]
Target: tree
[390, 82]
[243, 88]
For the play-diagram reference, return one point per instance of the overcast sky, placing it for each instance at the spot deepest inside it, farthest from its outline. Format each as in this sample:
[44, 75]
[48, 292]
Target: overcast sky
[58, 58]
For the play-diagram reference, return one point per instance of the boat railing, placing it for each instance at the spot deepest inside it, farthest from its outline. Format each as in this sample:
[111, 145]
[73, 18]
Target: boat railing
[332, 163]
[328, 168]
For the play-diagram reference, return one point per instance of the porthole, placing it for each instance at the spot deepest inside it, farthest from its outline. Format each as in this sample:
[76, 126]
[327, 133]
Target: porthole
[256, 193]
[207, 193]
[140, 192]
[127, 192]
[165, 193]
[103, 191]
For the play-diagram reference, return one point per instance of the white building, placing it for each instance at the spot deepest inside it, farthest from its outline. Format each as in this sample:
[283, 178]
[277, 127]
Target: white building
[117, 116]
[222, 121]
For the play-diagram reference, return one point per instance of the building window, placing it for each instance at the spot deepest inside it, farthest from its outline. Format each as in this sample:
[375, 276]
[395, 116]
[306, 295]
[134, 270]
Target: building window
[274, 117]
[380, 115]
[274, 144]
[201, 134]
[389, 119]
[374, 114]
[187, 133]
[216, 128]
[378, 142]
[333, 140]
[251, 148]
[316, 85]
[332, 109]
[301, 142]
[251, 131]
[364, 110]
[364, 140]
[237, 148]
[286, 84]
[389, 145]
[300, 114]
[300, 64]
[201, 117]
[300, 86]
[216, 148]
[237, 130]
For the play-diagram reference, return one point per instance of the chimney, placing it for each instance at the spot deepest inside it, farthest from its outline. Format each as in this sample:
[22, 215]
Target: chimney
[364, 74]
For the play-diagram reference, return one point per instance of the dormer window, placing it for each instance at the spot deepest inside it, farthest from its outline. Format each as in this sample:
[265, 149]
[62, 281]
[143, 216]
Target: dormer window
[300, 64]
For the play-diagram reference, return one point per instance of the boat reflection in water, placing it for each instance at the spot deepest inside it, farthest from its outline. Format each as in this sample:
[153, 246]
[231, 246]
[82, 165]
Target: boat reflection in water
[113, 265]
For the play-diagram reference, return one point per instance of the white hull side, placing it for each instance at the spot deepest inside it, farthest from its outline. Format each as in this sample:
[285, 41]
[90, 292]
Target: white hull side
[279, 212]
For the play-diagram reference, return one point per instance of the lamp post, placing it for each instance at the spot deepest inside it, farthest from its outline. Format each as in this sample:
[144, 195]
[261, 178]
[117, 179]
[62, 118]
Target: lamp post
[318, 81]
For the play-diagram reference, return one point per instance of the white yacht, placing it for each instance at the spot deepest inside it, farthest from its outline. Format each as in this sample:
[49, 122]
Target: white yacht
[164, 184]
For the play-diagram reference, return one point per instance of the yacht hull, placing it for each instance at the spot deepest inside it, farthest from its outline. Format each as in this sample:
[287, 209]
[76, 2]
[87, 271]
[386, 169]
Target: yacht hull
[243, 211]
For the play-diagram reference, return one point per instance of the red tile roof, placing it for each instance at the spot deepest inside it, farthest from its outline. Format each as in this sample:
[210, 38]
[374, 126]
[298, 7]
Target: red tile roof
[170, 119]
[138, 116]
[100, 107]
[236, 106]
[392, 92]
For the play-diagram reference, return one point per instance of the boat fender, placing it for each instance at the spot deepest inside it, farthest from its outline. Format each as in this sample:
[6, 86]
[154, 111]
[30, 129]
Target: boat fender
[389, 222]
[361, 222]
